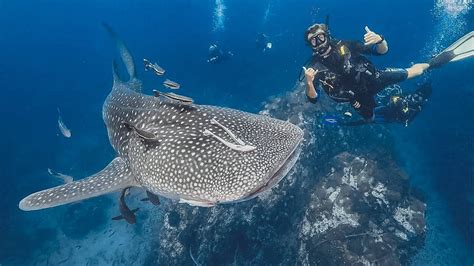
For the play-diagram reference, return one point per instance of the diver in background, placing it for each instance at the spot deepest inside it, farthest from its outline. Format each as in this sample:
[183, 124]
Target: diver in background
[262, 43]
[216, 55]
[403, 108]
[346, 75]
[399, 108]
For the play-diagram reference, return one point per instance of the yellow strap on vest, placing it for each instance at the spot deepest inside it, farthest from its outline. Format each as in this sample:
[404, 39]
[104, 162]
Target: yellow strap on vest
[343, 50]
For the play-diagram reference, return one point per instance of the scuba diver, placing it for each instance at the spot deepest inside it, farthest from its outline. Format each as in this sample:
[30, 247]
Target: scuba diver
[403, 108]
[216, 55]
[262, 43]
[393, 107]
[346, 75]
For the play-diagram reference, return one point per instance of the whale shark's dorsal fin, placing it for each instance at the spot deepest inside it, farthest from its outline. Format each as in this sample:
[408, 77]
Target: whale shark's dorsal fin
[115, 176]
[123, 51]
[126, 57]
[115, 73]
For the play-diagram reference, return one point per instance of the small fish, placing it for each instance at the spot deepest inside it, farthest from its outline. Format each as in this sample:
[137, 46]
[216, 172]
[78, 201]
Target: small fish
[62, 127]
[154, 67]
[125, 212]
[140, 132]
[180, 98]
[171, 84]
[173, 96]
[154, 199]
[66, 178]
[349, 114]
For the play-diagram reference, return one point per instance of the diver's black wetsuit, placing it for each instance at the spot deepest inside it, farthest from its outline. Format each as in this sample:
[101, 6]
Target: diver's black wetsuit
[347, 76]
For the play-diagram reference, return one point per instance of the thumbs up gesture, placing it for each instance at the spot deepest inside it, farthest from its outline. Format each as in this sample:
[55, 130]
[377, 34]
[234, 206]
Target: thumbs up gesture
[310, 73]
[371, 37]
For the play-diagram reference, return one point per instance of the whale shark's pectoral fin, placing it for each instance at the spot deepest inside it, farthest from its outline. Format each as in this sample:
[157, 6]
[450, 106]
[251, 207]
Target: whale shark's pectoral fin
[115, 176]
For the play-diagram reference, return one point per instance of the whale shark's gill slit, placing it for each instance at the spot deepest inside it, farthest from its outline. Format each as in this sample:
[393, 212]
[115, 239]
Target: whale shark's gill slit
[237, 147]
[114, 177]
[232, 135]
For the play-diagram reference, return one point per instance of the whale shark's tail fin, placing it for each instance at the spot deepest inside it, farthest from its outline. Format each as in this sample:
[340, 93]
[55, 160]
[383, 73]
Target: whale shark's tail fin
[115, 176]
[126, 57]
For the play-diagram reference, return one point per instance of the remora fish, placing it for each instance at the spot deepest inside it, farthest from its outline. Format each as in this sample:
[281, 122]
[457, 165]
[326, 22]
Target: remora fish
[154, 199]
[240, 155]
[155, 67]
[171, 84]
[125, 212]
[62, 127]
[175, 97]
[65, 178]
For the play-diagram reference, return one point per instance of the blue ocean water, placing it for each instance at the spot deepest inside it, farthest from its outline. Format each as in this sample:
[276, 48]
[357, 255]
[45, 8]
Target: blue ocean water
[56, 54]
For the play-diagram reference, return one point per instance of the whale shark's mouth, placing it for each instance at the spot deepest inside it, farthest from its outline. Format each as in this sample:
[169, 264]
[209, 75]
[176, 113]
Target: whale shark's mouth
[277, 174]
[275, 177]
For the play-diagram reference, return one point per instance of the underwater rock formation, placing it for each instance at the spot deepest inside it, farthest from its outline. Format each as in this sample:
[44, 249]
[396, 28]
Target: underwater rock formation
[345, 202]
[360, 213]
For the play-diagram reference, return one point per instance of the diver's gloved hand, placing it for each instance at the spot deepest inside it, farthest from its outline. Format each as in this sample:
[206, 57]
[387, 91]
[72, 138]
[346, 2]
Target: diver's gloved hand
[371, 37]
[310, 73]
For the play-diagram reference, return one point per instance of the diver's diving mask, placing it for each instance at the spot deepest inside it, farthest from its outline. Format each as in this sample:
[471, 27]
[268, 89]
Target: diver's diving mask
[318, 37]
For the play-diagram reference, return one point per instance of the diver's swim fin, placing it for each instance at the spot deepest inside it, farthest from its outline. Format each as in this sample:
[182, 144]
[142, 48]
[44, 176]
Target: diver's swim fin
[460, 49]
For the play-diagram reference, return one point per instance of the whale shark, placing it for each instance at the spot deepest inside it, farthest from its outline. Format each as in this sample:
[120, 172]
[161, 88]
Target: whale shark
[201, 155]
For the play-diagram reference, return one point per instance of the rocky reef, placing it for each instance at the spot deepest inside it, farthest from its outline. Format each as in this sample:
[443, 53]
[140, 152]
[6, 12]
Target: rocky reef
[346, 202]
